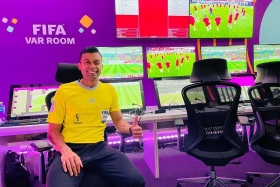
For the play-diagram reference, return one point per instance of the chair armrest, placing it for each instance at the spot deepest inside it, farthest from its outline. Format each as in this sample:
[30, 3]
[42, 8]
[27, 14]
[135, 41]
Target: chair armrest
[123, 135]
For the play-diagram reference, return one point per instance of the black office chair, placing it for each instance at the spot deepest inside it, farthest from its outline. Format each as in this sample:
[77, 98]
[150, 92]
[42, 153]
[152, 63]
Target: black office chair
[265, 99]
[212, 136]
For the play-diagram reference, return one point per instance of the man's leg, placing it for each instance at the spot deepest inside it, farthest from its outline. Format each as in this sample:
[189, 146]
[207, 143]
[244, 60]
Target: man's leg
[58, 178]
[116, 167]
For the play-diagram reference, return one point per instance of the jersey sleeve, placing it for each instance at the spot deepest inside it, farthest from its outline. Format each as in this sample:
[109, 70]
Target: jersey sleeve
[115, 100]
[57, 111]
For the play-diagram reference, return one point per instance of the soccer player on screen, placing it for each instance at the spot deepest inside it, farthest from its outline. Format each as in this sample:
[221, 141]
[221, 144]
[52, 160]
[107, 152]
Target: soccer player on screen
[211, 11]
[160, 67]
[167, 65]
[230, 20]
[177, 63]
[207, 23]
[149, 66]
[236, 16]
[195, 8]
[187, 57]
[218, 21]
[243, 15]
[182, 60]
[192, 21]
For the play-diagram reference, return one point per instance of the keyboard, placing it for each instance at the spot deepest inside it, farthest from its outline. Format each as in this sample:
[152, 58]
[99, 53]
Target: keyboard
[23, 122]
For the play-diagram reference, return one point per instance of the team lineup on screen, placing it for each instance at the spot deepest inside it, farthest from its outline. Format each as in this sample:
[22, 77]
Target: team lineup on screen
[221, 19]
[170, 61]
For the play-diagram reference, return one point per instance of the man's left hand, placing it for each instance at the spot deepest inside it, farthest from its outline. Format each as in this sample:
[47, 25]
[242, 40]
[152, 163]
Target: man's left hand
[136, 129]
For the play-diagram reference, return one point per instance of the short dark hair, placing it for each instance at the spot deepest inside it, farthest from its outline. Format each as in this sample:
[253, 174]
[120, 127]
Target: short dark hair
[89, 50]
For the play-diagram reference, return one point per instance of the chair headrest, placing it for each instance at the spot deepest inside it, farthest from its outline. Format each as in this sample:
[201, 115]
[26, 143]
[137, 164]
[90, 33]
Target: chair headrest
[210, 70]
[66, 73]
[268, 72]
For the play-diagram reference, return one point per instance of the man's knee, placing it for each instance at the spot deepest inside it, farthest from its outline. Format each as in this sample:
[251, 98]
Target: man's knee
[136, 180]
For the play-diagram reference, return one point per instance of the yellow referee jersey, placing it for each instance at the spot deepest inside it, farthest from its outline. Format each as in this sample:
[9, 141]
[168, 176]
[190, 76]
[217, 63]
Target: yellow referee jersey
[83, 111]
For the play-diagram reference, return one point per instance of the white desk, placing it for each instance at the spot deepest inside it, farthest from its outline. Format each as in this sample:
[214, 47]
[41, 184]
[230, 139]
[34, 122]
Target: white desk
[150, 137]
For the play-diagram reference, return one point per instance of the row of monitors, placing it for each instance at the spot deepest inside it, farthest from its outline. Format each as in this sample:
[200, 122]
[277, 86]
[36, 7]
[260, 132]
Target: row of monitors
[29, 100]
[184, 18]
[127, 62]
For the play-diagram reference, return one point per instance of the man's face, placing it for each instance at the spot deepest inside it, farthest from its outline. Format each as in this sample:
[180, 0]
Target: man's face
[91, 65]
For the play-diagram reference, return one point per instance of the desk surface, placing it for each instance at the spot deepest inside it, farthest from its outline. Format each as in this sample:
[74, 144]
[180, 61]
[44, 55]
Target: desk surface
[147, 118]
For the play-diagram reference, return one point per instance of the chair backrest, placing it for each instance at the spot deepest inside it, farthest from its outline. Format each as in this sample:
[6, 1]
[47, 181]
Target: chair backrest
[49, 98]
[265, 100]
[213, 136]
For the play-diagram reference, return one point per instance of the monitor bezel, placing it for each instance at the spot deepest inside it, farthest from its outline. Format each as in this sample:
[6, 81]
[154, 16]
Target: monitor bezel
[131, 78]
[10, 104]
[157, 93]
[246, 51]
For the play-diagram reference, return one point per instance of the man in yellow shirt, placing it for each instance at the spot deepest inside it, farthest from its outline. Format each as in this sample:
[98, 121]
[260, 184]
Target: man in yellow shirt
[77, 120]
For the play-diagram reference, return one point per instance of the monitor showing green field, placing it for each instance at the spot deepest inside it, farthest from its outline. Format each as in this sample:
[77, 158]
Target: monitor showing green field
[129, 93]
[235, 56]
[221, 19]
[266, 53]
[169, 93]
[30, 101]
[121, 62]
[170, 61]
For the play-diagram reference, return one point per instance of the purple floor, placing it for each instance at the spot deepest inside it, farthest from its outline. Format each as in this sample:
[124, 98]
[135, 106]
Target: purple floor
[175, 164]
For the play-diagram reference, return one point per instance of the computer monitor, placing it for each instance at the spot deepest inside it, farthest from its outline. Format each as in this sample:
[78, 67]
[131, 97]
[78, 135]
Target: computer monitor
[152, 19]
[235, 56]
[266, 53]
[170, 61]
[221, 18]
[245, 81]
[130, 93]
[168, 93]
[121, 62]
[28, 101]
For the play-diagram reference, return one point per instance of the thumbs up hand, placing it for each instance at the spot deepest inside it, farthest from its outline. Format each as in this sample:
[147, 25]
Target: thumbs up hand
[135, 129]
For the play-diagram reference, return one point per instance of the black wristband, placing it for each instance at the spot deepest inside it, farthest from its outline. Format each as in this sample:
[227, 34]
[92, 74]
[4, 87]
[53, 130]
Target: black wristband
[130, 131]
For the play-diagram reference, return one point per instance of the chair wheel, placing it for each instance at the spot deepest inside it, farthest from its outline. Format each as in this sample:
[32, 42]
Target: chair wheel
[249, 179]
[178, 185]
[244, 185]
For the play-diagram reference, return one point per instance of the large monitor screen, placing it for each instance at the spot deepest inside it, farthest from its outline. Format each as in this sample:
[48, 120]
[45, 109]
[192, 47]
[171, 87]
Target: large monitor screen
[29, 100]
[170, 61]
[121, 62]
[152, 19]
[130, 93]
[235, 56]
[221, 19]
[168, 93]
[266, 53]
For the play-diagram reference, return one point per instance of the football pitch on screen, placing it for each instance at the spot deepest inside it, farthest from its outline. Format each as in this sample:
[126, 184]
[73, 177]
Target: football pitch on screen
[184, 69]
[263, 61]
[242, 29]
[128, 94]
[37, 104]
[122, 70]
[171, 98]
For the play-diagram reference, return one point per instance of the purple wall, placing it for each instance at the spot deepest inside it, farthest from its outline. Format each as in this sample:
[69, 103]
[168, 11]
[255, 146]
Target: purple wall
[23, 63]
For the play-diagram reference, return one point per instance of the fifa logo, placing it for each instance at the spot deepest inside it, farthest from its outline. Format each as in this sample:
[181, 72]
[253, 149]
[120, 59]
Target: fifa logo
[77, 116]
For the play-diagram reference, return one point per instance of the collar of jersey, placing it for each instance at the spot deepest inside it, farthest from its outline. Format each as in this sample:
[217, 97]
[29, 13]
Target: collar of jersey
[86, 87]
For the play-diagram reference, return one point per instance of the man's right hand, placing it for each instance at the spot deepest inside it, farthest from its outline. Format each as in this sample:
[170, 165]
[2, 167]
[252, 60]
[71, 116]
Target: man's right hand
[71, 162]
